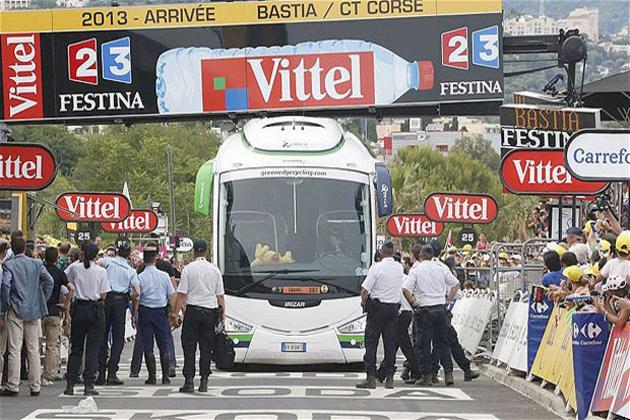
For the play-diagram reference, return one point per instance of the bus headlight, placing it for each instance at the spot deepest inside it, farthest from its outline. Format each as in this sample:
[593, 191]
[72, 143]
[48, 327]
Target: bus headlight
[234, 326]
[356, 326]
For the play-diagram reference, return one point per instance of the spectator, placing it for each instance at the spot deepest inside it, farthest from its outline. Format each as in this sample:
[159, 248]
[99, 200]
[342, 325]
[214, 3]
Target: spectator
[482, 243]
[554, 276]
[615, 287]
[64, 259]
[568, 259]
[26, 287]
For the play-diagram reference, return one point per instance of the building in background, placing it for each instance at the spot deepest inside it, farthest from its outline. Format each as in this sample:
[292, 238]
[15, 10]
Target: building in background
[72, 3]
[14, 4]
[586, 20]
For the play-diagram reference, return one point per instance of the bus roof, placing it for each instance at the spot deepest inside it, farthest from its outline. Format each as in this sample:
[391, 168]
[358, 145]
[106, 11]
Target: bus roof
[295, 142]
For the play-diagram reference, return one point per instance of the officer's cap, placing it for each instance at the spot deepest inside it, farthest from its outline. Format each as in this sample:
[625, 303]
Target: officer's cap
[200, 245]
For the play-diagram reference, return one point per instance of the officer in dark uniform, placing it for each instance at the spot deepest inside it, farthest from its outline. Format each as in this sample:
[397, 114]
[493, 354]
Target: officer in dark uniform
[380, 297]
[122, 278]
[88, 318]
[156, 293]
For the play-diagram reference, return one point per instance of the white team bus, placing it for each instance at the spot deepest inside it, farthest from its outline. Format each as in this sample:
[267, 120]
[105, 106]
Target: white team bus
[294, 203]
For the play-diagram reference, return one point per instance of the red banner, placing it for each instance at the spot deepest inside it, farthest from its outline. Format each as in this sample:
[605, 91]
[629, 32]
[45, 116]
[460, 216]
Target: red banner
[542, 172]
[413, 225]
[612, 372]
[461, 208]
[22, 76]
[92, 207]
[138, 221]
[26, 167]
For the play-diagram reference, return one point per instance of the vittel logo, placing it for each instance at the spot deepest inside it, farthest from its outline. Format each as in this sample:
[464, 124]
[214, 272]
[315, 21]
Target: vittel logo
[461, 208]
[284, 81]
[92, 207]
[22, 77]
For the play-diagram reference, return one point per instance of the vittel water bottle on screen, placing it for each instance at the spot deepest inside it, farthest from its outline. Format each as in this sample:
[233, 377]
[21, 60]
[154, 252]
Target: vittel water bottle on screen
[331, 73]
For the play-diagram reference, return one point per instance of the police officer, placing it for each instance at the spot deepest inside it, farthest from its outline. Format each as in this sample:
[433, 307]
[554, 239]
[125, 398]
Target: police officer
[201, 291]
[424, 290]
[380, 298]
[122, 278]
[456, 349]
[156, 292]
[88, 318]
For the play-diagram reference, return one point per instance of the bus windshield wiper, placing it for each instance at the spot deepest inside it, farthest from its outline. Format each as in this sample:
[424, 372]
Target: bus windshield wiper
[329, 284]
[270, 274]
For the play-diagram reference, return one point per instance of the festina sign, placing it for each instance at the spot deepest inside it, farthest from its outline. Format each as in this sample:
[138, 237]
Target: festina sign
[461, 208]
[92, 207]
[599, 155]
[413, 225]
[542, 172]
[26, 167]
[138, 221]
[542, 126]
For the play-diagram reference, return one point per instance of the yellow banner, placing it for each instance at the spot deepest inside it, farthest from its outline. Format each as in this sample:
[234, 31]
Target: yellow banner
[552, 353]
[232, 13]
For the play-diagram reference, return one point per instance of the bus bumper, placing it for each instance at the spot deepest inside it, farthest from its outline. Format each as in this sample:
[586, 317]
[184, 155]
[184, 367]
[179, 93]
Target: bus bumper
[268, 347]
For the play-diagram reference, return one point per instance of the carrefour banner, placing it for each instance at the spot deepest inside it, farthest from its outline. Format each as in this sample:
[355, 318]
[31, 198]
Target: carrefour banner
[214, 59]
[590, 337]
[538, 317]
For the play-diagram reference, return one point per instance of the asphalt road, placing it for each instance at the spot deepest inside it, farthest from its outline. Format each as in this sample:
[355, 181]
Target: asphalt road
[268, 393]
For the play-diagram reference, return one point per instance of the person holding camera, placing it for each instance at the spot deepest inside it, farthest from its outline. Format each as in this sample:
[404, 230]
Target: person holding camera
[424, 290]
[380, 298]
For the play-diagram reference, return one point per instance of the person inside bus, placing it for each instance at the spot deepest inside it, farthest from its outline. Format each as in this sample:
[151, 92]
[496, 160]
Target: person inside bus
[333, 256]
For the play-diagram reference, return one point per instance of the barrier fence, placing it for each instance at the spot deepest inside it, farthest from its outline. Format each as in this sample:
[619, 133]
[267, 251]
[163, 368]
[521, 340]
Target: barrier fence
[578, 352]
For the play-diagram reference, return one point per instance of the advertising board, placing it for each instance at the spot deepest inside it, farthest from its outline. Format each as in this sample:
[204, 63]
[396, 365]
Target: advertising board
[220, 58]
[599, 155]
[461, 208]
[92, 207]
[542, 126]
[413, 225]
[138, 221]
[26, 167]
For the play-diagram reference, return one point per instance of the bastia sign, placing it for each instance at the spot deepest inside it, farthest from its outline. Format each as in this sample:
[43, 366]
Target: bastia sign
[599, 155]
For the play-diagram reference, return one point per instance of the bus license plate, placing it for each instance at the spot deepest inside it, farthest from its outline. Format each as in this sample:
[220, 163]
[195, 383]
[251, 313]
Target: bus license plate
[294, 347]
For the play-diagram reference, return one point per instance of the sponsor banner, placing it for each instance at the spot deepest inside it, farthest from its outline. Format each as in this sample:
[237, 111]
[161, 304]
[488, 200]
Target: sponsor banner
[26, 167]
[171, 62]
[138, 221]
[599, 155]
[552, 353]
[621, 403]
[471, 315]
[228, 13]
[461, 208]
[513, 323]
[611, 371]
[413, 226]
[542, 126]
[384, 194]
[92, 207]
[542, 172]
[538, 318]
[590, 336]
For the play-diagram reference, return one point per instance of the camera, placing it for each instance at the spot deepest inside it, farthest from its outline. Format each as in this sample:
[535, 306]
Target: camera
[602, 202]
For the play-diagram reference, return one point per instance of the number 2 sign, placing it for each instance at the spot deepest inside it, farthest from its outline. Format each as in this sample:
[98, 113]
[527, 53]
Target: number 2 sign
[455, 48]
[82, 62]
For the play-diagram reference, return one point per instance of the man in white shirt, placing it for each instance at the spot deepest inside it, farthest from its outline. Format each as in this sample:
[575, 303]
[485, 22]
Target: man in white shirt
[424, 290]
[201, 290]
[380, 298]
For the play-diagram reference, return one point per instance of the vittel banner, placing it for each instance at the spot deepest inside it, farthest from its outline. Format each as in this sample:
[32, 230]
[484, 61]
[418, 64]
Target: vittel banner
[461, 208]
[92, 207]
[413, 225]
[26, 167]
[138, 221]
[526, 126]
[542, 172]
[178, 61]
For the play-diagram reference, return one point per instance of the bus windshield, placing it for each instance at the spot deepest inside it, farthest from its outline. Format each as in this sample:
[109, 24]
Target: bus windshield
[282, 237]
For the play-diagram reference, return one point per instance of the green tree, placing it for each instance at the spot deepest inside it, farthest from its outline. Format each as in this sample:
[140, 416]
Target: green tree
[480, 149]
[418, 172]
[65, 146]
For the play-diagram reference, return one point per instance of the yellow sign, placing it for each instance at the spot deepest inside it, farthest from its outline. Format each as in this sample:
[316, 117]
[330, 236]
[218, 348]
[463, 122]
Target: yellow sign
[232, 13]
[552, 353]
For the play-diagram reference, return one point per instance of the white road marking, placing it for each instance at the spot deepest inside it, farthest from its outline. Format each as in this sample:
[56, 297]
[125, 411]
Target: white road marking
[46, 414]
[279, 391]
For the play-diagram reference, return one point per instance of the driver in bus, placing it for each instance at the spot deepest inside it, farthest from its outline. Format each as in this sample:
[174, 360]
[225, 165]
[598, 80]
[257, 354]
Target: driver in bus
[334, 257]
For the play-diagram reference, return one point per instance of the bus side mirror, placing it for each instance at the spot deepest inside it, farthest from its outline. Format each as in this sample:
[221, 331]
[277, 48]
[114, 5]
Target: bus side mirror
[384, 196]
[203, 188]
